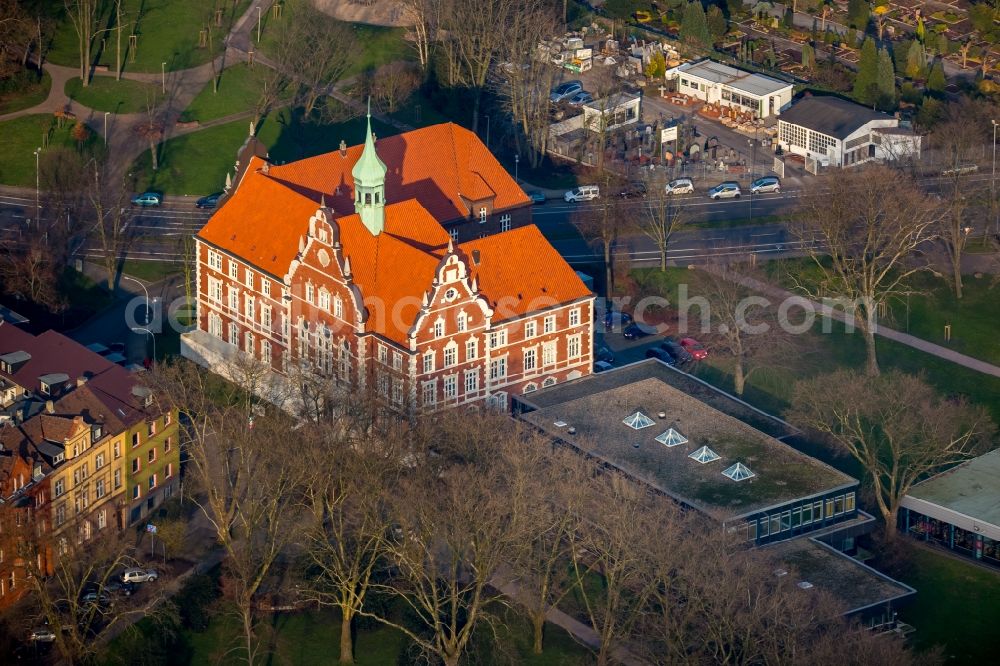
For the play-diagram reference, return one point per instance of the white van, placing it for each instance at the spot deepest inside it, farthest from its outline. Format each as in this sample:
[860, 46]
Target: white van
[582, 193]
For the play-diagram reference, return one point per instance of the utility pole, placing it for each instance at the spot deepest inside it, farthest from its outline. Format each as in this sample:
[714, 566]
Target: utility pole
[163, 74]
[38, 205]
[993, 179]
[258, 24]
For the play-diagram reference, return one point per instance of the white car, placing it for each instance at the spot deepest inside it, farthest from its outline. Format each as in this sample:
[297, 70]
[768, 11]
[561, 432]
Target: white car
[43, 635]
[582, 193]
[727, 190]
[680, 186]
[140, 575]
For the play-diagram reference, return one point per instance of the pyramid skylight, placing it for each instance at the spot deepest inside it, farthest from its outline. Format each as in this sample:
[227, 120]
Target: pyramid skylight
[638, 421]
[738, 472]
[704, 455]
[671, 438]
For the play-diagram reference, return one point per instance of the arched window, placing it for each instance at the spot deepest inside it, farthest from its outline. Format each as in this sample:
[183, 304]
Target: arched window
[549, 381]
[368, 198]
[529, 388]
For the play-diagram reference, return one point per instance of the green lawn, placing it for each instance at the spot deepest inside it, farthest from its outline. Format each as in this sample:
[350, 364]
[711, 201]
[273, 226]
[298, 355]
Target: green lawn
[376, 45]
[21, 136]
[240, 87]
[957, 605]
[197, 163]
[974, 319]
[106, 94]
[33, 91]
[150, 271]
[167, 31]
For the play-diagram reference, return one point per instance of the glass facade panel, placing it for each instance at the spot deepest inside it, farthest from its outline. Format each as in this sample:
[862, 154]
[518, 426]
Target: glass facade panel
[763, 527]
[850, 502]
[786, 521]
[829, 509]
[818, 511]
[796, 517]
[839, 505]
[775, 524]
[807, 514]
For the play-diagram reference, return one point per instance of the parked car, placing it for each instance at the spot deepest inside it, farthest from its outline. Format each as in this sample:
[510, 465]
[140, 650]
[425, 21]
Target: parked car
[635, 330]
[661, 354]
[726, 190]
[604, 354]
[602, 366]
[537, 198]
[582, 193]
[680, 186]
[581, 98]
[120, 587]
[565, 90]
[140, 575]
[615, 319]
[116, 348]
[676, 351]
[95, 597]
[765, 184]
[43, 635]
[147, 199]
[211, 201]
[633, 190]
[695, 348]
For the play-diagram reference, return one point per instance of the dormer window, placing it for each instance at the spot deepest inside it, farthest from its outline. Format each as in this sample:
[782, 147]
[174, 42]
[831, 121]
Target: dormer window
[482, 215]
[95, 433]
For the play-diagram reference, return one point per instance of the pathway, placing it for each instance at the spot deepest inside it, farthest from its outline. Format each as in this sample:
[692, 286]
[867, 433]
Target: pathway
[884, 331]
[180, 89]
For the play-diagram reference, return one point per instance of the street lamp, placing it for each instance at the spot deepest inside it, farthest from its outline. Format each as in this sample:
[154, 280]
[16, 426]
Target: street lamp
[106, 113]
[517, 159]
[140, 329]
[993, 178]
[163, 77]
[487, 132]
[258, 24]
[38, 205]
[126, 277]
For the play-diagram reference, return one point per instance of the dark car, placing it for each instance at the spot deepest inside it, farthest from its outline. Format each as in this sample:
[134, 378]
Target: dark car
[676, 351]
[604, 354]
[565, 91]
[119, 587]
[635, 330]
[633, 191]
[661, 354]
[602, 366]
[617, 319]
[537, 198]
[211, 201]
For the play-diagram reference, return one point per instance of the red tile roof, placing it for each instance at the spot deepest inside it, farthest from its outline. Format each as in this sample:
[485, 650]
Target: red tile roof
[261, 222]
[437, 165]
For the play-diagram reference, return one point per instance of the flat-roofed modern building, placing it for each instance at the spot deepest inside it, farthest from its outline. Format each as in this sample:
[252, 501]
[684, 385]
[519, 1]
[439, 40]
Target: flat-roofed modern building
[703, 449]
[834, 132]
[714, 82]
[959, 509]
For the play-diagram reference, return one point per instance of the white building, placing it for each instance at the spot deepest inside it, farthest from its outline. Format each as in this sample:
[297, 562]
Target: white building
[714, 82]
[834, 132]
[618, 110]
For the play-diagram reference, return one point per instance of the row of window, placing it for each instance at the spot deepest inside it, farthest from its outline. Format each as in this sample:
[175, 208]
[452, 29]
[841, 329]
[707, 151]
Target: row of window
[152, 481]
[800, 516]
[249, 278]
[449, 387]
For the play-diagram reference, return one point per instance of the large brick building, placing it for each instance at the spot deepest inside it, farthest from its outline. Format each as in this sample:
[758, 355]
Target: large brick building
[406, 266]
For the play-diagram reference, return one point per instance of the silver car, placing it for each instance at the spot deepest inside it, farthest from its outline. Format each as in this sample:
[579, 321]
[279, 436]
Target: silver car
[727, 190]
[765, 184]
[680, 186]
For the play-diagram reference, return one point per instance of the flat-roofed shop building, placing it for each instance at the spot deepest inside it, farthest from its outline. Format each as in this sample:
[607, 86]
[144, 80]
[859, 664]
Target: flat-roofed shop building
[959, 509]
[715, 83]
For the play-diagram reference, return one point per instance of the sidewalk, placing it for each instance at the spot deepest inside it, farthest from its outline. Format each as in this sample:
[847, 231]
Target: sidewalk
[884, 331]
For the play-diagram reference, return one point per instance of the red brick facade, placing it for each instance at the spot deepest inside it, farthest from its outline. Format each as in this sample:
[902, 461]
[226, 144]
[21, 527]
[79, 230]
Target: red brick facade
[407, 312]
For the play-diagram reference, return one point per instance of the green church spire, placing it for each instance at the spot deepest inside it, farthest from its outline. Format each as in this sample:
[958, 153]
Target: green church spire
[369, 183]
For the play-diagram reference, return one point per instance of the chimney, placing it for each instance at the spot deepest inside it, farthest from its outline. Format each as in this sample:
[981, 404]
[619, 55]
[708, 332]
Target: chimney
[475, 257]
[80, 381]
[50, 407]
[343, 148]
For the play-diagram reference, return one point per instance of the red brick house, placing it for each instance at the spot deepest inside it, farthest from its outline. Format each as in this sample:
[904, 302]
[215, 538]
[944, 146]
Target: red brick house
[355, 262]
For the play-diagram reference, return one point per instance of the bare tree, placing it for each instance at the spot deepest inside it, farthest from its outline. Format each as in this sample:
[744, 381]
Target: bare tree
[349, 524]
[601, 223]
[250, 489]
[85, 15]
[393, 83]
[895, 425]
[959, 139]
[119, 26]
[112, 215]
[458, 522]
[862, 233]
[426, 16]
[661, 219]
[151, 130]
[525, 79]
[315, 53]
[612, 542]
[743, 325]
